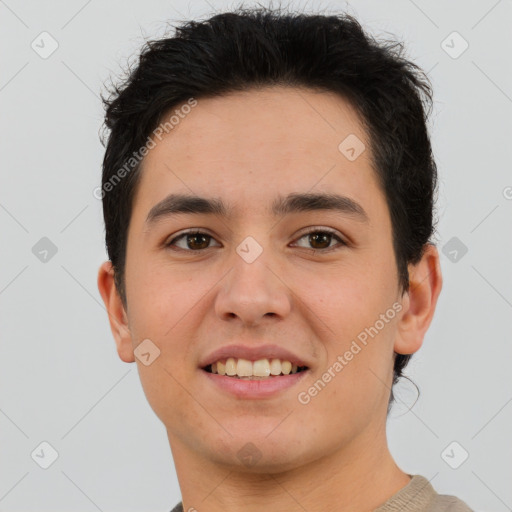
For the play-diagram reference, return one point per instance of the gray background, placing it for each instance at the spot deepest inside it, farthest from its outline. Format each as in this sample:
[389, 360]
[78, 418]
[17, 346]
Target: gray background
[62, 381]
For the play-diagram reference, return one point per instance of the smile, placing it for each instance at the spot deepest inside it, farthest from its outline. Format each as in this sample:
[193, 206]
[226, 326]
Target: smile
[253, 370]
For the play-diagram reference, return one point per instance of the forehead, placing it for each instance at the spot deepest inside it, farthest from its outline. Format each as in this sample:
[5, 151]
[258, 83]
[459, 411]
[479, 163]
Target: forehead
[251, 144]
[285, 120]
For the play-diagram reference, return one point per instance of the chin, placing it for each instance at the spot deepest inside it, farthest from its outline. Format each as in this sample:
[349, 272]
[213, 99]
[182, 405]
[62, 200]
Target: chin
[262, 454]
[252, 460]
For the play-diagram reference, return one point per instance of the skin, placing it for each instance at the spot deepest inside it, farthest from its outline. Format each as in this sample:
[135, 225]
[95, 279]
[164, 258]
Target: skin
[332, 453]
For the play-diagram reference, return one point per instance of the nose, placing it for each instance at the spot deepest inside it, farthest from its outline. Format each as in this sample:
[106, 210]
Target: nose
[252, 292]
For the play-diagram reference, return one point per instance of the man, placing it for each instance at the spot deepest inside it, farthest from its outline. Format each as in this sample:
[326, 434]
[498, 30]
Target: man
[268, 193]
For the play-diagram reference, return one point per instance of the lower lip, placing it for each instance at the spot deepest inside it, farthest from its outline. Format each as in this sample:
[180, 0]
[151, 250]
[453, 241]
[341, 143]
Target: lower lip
[255, 389]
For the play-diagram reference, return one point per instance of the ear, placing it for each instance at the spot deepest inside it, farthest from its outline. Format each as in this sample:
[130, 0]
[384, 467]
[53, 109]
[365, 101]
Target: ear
[419, 302]
[116, 312]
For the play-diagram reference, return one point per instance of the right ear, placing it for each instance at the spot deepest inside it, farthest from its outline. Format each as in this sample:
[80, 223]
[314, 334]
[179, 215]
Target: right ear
[116, 312]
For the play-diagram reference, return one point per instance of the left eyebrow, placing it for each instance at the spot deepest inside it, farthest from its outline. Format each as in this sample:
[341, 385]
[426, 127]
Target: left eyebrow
[292, 203]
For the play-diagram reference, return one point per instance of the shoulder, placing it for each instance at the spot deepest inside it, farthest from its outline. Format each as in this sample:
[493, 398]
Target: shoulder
[443, 503]
[419, 496]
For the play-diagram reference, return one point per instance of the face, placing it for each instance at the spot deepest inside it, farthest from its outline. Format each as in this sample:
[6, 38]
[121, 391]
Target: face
[311, 282]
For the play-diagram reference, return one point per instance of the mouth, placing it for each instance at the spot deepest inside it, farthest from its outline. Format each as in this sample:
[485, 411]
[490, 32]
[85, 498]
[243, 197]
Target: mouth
[254, 372]
[260, 369]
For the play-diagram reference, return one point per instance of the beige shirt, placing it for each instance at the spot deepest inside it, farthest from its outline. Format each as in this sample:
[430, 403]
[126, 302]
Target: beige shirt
[417, 496]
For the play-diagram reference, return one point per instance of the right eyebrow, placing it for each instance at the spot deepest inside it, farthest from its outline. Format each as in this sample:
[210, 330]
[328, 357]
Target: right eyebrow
[182, 203]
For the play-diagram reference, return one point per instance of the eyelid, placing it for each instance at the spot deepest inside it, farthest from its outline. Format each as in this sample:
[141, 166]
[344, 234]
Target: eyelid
[322, 229]
[192, 231]
[168, 242]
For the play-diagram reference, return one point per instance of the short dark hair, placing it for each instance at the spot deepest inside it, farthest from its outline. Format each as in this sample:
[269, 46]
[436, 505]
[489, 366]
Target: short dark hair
[259, 47]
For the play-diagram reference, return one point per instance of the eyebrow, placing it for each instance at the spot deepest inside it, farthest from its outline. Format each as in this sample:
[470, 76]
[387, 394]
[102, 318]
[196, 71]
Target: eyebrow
[175, 204]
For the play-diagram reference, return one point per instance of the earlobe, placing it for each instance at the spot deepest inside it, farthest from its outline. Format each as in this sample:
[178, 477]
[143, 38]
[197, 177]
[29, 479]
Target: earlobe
[116, 312]
[425, 284]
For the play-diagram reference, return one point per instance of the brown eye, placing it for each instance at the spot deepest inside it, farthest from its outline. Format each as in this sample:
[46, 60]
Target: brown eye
[194, 241]
[199, 241]
[320, 240]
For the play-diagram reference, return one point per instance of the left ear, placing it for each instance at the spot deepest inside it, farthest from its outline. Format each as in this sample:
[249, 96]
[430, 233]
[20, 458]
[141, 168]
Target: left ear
[419, 302]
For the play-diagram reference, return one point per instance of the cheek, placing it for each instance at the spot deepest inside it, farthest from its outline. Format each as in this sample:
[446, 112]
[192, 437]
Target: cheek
[351, 393]
[350, 302]
[160, 302]
[164, 387]
[343, 296]
[160, 296]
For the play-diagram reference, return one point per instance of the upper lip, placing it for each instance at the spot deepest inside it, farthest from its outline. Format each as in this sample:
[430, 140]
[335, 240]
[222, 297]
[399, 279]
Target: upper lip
[252, 353]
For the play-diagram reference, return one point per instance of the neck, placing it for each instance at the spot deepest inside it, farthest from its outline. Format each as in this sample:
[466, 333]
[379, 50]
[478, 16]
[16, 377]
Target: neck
[359, 477]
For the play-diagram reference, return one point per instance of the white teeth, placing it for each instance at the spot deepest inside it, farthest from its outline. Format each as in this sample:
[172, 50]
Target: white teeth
[221, 368]
[261, 368]
[286, 367]
[275, 367]
[231, 367]
[244, 368]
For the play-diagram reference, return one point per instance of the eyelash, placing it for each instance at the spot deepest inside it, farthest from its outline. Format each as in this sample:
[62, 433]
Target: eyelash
[315, 230]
